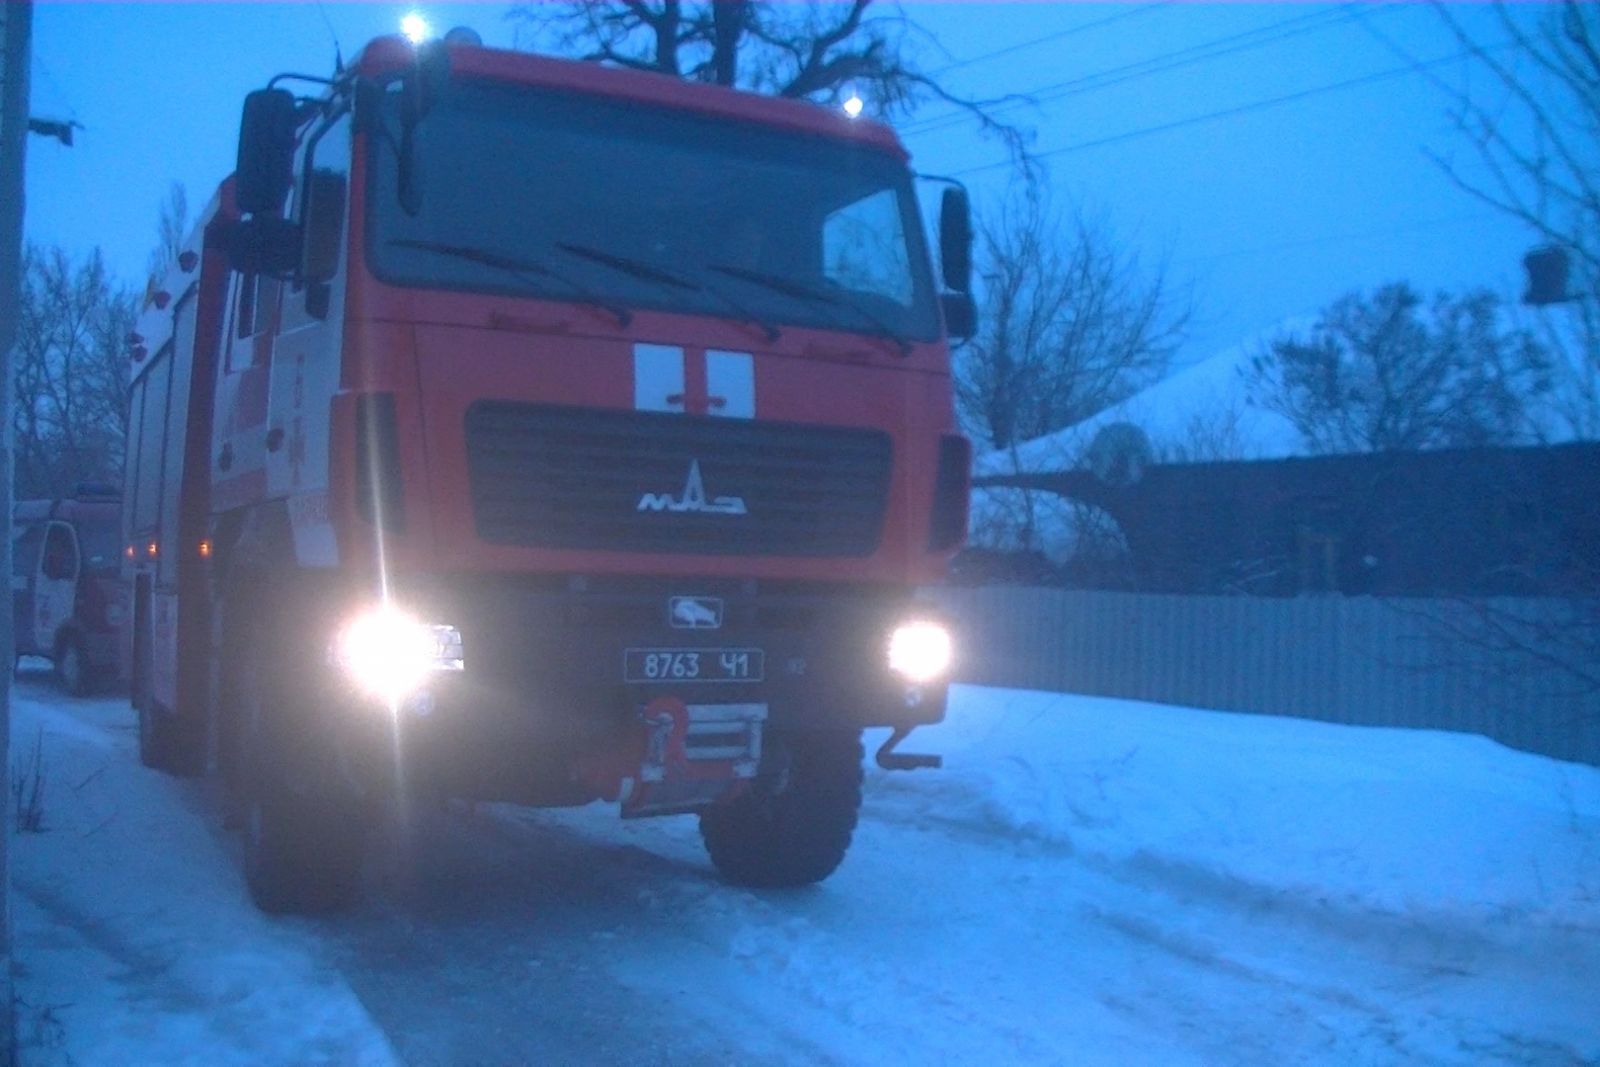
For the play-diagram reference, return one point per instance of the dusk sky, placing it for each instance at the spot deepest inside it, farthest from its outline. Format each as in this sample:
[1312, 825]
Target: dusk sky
[1270, 210]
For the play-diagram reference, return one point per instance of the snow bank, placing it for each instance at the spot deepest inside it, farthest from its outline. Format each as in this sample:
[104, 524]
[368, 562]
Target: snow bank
[135, 939]
[1452, 826]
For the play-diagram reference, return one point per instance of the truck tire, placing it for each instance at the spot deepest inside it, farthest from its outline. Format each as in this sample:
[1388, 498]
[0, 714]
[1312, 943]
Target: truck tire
[165, 743]
[793, 826]
[303, 832]
[155, 740]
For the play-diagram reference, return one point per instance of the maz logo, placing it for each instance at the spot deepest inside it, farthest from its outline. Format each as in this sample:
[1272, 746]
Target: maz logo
[693, 498]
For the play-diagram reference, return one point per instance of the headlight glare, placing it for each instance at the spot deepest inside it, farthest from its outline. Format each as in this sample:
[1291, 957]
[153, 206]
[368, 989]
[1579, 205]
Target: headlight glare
[921, 651]
[387, 653]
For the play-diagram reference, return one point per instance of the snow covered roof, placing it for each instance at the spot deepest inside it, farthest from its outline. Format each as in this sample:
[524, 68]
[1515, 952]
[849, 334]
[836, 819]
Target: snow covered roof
[1202, 412]
[1202, 406]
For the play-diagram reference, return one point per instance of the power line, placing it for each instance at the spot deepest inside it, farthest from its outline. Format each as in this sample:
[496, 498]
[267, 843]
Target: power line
[1242, 109]
[1392, 45]
[1032, 42]
[1205, 51]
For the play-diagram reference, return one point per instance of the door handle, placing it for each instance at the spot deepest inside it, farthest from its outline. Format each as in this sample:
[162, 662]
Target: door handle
[274, 438]
[225, 459]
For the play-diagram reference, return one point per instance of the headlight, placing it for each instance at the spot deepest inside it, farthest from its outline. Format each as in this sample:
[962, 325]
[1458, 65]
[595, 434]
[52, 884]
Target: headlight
[920, 651]
[389, 654]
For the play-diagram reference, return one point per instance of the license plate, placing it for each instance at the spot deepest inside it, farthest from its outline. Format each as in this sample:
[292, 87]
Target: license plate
[692, 665]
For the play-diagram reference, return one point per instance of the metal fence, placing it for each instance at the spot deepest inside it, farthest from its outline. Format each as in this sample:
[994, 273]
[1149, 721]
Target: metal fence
[1486, 667]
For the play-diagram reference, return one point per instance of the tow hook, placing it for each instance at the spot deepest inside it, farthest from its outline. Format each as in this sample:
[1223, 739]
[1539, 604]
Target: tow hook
[890, 760]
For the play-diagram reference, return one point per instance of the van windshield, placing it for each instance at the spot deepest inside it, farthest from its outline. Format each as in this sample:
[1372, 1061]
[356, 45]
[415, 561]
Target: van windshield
[572, 197]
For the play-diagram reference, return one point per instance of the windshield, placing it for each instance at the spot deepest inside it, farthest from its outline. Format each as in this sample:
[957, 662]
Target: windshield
[578, 198]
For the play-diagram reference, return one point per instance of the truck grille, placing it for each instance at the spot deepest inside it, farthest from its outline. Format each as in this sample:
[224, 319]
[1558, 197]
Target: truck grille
[562, 477]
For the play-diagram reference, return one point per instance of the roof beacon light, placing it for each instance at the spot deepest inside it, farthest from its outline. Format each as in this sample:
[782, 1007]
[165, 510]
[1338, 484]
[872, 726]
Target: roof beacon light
[853, 104]
[416, 28]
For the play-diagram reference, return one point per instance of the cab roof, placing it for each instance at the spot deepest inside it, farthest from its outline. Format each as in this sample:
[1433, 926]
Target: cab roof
[387, 55]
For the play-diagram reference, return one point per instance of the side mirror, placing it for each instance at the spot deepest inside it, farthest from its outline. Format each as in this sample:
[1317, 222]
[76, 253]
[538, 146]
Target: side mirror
[960, 315]
[955, 240]
[265, 168]
[324, 226]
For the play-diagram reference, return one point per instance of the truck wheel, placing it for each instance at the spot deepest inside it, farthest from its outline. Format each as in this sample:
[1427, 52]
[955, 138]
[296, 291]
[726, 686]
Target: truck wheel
[72, 667]
[303, 835]
[165, 742]
[168, 745]
[793, 826]
[155, 743]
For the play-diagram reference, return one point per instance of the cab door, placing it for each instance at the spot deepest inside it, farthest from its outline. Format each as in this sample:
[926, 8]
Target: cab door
[239, 430]
[55, 585]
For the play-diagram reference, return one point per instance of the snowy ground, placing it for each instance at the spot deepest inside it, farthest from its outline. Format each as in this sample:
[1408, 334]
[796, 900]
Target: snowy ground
[1089, 881]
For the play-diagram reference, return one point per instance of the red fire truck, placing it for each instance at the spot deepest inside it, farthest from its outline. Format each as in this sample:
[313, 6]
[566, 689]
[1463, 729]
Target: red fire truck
[521, 429]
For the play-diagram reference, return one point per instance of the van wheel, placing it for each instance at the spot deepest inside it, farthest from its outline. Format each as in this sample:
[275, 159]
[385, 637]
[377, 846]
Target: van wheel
[794, 825]
[72, 667]
[304, 832]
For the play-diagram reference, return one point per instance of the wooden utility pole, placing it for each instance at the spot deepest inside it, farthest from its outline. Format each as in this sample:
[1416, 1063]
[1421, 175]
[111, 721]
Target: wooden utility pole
[15, 34]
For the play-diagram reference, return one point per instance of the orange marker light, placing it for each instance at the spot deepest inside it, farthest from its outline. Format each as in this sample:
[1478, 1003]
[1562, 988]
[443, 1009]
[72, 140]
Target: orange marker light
[150, 550]
[205, 548]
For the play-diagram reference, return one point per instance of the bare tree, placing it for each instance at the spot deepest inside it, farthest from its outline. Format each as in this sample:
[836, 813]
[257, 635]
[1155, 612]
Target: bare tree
[70, 416]
[1530, 132]
[803, 50]
[1211, 436]
[1389, 372]
[1071, 324]
[172, 226]
[1529, 146]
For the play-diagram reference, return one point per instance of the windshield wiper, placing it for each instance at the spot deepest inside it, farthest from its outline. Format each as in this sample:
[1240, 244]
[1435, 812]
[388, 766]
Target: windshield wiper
[802, 291]
[649, 272]
[520, 267]
[635, 267]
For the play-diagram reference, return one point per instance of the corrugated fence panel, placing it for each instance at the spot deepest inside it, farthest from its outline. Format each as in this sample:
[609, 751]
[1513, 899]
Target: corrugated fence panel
[1415, 663]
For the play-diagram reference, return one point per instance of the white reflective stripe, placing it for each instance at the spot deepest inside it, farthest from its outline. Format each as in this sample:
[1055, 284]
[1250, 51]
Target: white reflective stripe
[657, 375]
[732, 376]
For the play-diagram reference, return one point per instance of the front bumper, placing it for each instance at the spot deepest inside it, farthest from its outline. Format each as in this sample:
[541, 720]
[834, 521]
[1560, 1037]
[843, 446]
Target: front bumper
[544, 699]
[554, 656]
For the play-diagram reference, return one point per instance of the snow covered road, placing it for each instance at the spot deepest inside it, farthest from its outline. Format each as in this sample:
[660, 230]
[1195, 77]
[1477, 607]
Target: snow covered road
[1090, 881]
